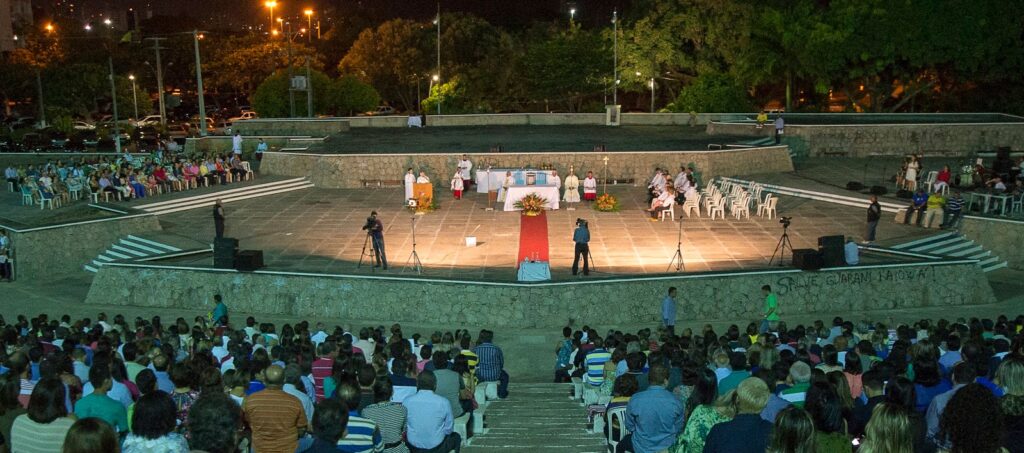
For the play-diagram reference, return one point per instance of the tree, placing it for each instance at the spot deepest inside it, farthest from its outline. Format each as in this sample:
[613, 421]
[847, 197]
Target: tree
[391, 58]
[479, 61]
[452, 97]
[712, 93]
[353, 96]
[271, 98]
[240, 63]
[565, 67]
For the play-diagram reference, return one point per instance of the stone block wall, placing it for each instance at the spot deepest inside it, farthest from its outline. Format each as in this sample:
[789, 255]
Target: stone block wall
[732, 297]
[222, 144]
[56, 251]
[890, 139]
[349, 170]
[313, 127]
[1002, 237]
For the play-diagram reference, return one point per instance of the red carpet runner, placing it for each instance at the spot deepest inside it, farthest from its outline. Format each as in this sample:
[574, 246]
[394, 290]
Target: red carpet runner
[533, 238]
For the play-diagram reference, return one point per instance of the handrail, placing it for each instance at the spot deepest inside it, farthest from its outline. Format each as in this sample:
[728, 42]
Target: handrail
[283, 151]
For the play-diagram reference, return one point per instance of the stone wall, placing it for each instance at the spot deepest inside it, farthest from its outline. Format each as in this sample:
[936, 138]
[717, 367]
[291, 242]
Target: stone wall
[349, 170]
[314, 127]
[52, 252]
[1002, 237]
[889, 139]
[548, 119]
[222, 143]
[725, 296]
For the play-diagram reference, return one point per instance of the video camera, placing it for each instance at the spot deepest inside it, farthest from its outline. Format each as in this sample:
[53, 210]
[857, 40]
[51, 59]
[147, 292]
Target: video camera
[371, 222]
[582, 223]
[785, 221]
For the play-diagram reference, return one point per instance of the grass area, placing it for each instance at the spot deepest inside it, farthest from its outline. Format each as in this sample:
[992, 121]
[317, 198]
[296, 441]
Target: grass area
[521, 139]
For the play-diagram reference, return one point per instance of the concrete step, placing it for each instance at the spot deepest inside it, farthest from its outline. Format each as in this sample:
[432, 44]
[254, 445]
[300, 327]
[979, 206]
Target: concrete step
[137, 248]
[951, 244]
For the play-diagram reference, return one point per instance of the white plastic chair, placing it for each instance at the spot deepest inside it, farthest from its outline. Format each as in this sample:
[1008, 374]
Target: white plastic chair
[711, 202]
[481, 409]
[741, 207]
[762, 204]
[692, 205]
[769, 209]
[929, 182]
[619, 414]
[671, 211]
[1017, 204]
[719, 208]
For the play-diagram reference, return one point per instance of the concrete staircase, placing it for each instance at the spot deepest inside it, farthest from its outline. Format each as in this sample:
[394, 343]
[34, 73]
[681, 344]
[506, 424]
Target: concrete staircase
[536, 418]
[227, 196]
[136, 248]
[954, 245]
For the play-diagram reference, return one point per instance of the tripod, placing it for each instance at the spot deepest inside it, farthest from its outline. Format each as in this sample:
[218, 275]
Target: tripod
[783, 245]
[677, 259]
[372, 254]
[414, 258]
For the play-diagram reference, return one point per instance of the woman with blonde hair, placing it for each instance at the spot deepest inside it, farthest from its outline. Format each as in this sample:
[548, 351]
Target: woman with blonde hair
[1010, 377]
[888, 431]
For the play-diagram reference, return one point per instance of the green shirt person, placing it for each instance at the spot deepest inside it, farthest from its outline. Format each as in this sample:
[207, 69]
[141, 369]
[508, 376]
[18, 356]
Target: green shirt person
[771, 308]
[98, 404]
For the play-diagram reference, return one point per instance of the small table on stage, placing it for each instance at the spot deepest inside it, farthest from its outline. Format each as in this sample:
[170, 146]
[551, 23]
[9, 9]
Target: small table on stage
[534, 271]
[485, 184]
[516, 193]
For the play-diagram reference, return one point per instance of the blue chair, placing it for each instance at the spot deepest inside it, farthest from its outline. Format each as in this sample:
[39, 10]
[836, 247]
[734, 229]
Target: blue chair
[520, 178]
[542, 178]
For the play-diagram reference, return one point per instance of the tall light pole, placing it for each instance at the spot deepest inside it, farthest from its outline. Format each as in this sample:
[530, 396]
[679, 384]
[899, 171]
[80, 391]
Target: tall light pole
[652, 94]
[437, 76]
[113, 100]
[309, 23]
[271, 4]
[196, 36]
[615, 57]
[39, 82]
[135, 96]
[160, 81]
[291, 92]
[572, 15]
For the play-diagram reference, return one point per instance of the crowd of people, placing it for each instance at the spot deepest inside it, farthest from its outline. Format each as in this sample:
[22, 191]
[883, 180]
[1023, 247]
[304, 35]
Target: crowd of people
[125, 177]
[112, 384]
[944, 191]
[946, 386]
[664, 191]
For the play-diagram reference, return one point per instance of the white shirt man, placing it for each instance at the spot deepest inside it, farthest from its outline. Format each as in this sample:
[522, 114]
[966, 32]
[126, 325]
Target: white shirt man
[852, 253]
[465, 165]
[236, 144]
[423, 179]
[410, 179]
[680, 182]
[658, 181]
[555, 180]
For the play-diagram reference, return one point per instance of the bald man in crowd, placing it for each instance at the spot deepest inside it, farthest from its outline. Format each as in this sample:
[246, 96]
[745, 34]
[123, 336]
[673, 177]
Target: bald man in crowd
[277, 418]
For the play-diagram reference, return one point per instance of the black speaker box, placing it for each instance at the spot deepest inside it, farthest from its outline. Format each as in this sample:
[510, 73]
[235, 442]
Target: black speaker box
[249, 260]
[831, 248]
[879, 190]
[854, 185]
[224, 252]
[807, 259]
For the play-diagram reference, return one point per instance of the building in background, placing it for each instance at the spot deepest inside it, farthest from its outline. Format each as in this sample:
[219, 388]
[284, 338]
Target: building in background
[15, 16]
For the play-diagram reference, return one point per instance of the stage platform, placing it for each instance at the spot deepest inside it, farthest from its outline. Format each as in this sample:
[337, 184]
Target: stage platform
[318, 231]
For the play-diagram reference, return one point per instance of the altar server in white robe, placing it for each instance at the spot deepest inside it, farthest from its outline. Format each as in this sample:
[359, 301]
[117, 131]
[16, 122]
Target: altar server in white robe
[572, 185]
[589, 187]
[410, 179]
[508, 182]
[465, 165]
[457, 186]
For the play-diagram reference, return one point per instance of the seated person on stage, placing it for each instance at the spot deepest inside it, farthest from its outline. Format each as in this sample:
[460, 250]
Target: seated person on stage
[682, 182]
[663, 202]
[657, 185]
[851, 252]
[919, 202]
[590, 187]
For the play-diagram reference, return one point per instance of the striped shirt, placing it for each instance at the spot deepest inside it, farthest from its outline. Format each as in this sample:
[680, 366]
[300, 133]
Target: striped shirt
[322, 368]
[361, 435]
[472, 359]
[390, 419]
[26, 392]
[28, 436]
[491, 362]
[595, 366]
[955, 203]
[275, 418]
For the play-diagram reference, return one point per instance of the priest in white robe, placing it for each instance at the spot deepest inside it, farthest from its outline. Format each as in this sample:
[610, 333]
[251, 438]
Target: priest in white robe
[410, 179]
[572, 185]
[465, 166]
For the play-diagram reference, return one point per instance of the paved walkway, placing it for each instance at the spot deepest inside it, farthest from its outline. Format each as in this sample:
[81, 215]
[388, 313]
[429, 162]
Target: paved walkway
[536, 418]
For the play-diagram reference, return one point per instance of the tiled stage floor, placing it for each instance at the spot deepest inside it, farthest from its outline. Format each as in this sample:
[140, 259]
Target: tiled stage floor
[318, 230]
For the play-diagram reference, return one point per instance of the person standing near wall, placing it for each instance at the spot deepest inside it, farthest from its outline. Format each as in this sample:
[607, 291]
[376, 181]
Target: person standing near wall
[668, 311]
[874, 214]
[780, 125]
[771, 309]
[218, 219]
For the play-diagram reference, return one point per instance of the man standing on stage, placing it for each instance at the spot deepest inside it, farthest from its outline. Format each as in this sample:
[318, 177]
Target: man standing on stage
[376, 232]
[668, 311]
[410, 179]
[874, 214]
[582, 239]
[464, 167]
[771, 309]
[236, 144]
[218, 218]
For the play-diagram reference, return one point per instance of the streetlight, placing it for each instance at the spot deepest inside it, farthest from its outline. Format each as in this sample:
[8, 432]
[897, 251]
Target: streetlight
[49, 28]
[572, 14]
[88, 27]
[196, 36]
[135, 96]
[437, 76]
[652, 94]
[309, 22]
[271, 4]
[108, 22]
[615, 57]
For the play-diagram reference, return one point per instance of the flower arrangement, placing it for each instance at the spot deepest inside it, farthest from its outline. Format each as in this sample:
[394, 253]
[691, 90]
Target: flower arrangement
[531, 204]
[606, 203]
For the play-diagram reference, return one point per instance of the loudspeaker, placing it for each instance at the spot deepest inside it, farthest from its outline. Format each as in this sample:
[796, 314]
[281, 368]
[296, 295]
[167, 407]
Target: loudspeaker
[224, 252]
[807, 259]
[904, 193]
[831, 248]
[249, 260]
[854, 185]
[879, 190]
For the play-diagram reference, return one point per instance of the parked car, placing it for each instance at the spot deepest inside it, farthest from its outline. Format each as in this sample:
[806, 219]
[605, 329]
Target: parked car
[382, 110]
[83, 126]
[246, 115]
[151, 120]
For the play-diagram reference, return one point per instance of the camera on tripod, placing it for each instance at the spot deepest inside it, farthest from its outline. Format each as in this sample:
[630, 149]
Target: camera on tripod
[785, 221]
[371, 222]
